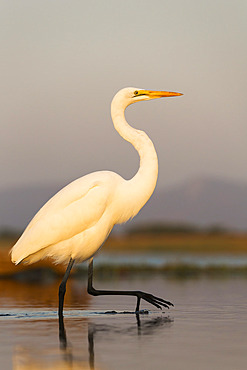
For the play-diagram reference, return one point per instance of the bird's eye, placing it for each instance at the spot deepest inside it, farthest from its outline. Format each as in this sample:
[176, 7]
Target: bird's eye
[136, 92]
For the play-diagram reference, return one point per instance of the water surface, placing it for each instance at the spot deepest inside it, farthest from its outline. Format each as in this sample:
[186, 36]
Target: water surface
[207, 329]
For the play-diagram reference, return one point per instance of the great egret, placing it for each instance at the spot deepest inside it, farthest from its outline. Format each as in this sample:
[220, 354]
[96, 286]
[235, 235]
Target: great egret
[76, 221]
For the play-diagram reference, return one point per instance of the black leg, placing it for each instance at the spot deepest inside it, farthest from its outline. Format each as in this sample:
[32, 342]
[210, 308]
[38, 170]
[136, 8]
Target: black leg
[157, 302]
[138, 304]
[62, 288]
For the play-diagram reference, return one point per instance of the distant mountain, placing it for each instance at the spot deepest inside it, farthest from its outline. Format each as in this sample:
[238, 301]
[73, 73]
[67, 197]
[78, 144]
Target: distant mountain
[202, 202]
[19, 205]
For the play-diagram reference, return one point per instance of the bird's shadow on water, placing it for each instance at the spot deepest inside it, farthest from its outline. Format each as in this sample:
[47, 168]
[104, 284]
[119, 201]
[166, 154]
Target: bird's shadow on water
[147, 327]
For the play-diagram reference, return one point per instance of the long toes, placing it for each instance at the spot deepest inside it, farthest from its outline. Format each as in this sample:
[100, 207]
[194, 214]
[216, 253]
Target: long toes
[157, 302]
[168, 303]
[151, 301]
[161, 300]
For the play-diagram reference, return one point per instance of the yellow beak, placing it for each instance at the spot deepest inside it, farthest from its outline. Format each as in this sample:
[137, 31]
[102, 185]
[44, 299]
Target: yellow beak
[158, 94]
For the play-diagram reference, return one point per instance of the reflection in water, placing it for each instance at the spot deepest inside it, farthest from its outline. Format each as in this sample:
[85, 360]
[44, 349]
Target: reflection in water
[148, 327]
[64, 358]
[91, 346]
[42, 293]
[23, 360]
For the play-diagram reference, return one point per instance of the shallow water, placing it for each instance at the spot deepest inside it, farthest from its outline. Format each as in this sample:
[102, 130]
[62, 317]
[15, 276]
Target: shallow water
[207, 329]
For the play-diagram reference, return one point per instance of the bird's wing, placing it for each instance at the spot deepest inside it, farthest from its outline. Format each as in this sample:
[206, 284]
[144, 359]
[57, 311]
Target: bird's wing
[67, 214]
[68, 195]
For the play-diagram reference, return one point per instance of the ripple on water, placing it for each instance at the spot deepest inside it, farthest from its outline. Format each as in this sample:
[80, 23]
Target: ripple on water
[44, 315]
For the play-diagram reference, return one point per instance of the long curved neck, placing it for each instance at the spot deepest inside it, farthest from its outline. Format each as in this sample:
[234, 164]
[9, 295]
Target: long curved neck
[140, 188]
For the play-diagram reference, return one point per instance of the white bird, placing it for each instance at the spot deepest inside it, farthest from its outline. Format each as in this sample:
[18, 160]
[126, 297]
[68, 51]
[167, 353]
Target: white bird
[76, 221]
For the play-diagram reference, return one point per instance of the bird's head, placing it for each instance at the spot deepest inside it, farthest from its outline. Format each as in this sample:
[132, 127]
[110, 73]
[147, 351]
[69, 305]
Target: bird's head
[130, 95]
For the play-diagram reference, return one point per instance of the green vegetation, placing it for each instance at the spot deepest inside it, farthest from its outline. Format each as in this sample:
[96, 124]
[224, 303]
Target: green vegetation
[184, 240]
[179, 243]
[164, 239]
[175, 228]
[178, 271]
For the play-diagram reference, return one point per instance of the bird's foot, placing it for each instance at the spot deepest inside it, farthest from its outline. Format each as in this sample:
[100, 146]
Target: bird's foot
[155, 301]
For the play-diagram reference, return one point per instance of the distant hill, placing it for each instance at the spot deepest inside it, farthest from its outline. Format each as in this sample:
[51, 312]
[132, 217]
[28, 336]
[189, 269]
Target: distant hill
[202, 202]
[19, 205]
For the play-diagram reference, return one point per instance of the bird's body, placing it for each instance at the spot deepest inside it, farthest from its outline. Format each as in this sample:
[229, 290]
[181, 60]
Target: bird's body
[72, 224]
[76, 221]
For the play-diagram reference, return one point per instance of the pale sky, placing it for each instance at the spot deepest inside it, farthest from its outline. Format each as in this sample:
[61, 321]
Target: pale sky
[62, 62]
